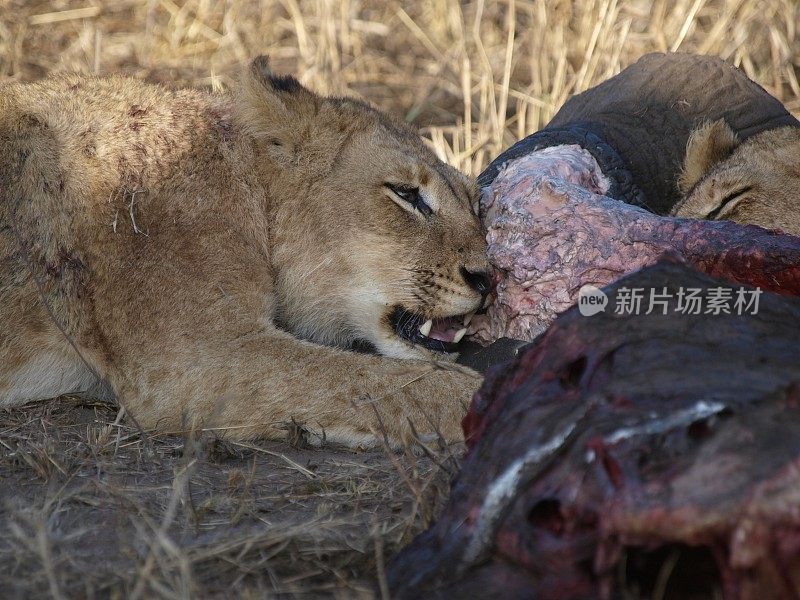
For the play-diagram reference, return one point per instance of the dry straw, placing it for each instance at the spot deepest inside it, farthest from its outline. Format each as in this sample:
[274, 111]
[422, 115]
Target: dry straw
[474, 76]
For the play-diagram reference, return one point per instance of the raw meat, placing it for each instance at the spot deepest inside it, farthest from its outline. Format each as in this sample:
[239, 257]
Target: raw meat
[656, 449]
[551, 231]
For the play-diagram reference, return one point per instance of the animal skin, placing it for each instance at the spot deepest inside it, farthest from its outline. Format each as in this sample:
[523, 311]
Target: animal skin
[637, 124]
[618, 440]
[208, 260]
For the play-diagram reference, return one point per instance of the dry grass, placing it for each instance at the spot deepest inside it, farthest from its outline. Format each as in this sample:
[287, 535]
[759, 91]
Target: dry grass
[90, 509]
[87, 508]
[474, 75]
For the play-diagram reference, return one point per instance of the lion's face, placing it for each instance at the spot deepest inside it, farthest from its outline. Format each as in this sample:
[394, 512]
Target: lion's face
[756, 181]
[374, 239]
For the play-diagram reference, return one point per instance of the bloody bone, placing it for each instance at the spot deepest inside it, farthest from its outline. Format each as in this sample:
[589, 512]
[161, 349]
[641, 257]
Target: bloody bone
[551, 231]
[624, 440]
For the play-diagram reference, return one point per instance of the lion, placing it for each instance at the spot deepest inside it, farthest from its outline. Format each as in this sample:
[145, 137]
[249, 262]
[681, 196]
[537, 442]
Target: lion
[755, 181]
[215, 261]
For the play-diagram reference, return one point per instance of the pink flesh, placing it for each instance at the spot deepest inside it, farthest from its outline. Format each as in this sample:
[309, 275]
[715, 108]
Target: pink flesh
[518, 209]
[550, 232]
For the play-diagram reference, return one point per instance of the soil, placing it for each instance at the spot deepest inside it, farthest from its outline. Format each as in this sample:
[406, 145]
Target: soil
[90, 507]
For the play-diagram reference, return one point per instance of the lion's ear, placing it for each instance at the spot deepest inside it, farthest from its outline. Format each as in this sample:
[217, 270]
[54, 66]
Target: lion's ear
[274, 106]
[708, 144]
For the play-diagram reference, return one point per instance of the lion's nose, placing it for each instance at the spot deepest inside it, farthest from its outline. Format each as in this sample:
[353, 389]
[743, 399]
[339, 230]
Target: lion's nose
[480, 281]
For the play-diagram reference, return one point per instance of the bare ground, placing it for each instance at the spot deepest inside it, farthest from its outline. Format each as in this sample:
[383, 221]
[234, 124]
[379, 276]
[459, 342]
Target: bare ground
[91, 508]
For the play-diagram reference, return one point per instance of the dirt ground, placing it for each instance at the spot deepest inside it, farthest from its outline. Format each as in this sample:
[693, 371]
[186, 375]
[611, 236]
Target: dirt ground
[90, 508]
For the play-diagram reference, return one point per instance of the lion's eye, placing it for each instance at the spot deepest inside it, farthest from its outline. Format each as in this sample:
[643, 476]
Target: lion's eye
[729, 201]
[411, 196]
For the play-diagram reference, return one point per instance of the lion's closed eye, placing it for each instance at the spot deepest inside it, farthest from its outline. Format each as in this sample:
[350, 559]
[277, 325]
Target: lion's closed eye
[409, 198]
[729, 202]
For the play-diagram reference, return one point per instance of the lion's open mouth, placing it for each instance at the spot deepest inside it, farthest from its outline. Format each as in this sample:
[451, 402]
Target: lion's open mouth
[439, 335]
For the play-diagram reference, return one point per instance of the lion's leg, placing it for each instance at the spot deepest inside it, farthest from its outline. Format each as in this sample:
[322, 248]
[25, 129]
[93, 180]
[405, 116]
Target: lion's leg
[42, 372]
[257, 386]
[36, 360]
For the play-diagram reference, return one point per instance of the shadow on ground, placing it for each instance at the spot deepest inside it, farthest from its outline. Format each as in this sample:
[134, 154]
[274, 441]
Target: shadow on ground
[90, 508]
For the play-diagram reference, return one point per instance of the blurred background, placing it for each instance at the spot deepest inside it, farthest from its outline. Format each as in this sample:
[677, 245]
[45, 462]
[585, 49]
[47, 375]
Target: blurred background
[474, 76]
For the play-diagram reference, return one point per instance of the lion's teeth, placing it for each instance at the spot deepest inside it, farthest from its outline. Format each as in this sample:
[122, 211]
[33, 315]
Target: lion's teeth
[468, 318]
[425, 328]
[487, 302]
[459, 335]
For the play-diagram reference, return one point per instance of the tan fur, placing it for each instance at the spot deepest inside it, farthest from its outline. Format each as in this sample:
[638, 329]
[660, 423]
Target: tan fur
[708, 144]
[169, 231]
[756, 181]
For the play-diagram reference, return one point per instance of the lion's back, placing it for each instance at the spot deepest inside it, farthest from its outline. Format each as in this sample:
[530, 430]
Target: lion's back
[88, 136]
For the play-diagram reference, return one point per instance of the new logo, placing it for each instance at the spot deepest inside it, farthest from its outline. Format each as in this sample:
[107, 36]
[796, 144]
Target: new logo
[591, 300]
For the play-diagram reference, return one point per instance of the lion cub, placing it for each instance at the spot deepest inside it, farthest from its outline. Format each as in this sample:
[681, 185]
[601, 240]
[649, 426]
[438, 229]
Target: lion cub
[756, 181]
[202, 256]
